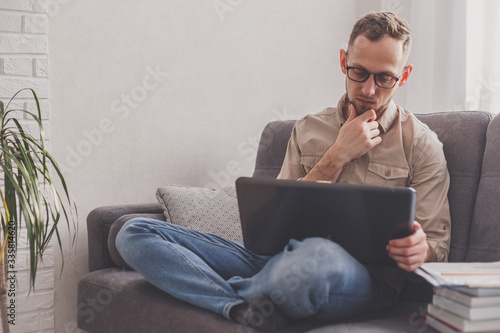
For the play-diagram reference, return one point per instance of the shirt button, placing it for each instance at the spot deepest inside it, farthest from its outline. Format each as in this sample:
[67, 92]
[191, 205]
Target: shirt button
[445, 227]
[388, 173]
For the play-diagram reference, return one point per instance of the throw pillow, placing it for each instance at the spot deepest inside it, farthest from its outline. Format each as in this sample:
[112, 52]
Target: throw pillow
[212, 211]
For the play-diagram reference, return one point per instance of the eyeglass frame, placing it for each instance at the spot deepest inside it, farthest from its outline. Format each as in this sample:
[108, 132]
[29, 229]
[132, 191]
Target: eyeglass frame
[396, 78]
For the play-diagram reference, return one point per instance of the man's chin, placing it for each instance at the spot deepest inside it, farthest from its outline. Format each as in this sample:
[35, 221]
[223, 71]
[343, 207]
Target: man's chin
[360, 109]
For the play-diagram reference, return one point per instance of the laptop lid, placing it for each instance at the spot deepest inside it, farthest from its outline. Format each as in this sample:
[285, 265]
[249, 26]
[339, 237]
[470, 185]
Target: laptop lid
[360, 218]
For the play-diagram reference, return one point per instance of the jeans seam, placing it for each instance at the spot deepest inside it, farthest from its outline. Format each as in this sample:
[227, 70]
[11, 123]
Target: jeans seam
[213, 243]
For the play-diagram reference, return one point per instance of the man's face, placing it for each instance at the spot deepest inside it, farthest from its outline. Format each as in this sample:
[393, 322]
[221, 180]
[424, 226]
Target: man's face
[384, 56]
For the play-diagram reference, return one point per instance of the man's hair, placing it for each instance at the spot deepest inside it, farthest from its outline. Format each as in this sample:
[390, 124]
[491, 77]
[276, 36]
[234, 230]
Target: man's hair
[375, 26]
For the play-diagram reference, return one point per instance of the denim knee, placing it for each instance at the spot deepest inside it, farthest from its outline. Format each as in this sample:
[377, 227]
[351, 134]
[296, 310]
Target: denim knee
[316, 263]
[312, 276]
[124, 240]
[126, 230]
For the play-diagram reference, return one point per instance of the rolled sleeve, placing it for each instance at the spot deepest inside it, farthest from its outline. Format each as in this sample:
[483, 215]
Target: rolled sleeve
[292, 168]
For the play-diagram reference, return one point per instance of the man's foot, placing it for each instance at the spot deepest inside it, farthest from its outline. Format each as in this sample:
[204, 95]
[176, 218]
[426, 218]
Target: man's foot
[260, 312]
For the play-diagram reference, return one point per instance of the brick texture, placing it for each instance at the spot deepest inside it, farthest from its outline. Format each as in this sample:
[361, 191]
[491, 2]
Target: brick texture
[36, 6]
[31, 107]
[10, 22]
[24, 64]
[23, 44]
[41, 67]
[9, 86]
[35, 24]
[18, 66]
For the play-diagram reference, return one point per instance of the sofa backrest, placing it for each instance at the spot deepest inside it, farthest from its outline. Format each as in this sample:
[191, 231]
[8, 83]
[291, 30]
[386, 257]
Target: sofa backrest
[484, 242]
[272, 148]
[463, 135]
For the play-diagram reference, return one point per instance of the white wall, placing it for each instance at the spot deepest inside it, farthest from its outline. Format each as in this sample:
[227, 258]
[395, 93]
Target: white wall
[24, 63]
[224, 75]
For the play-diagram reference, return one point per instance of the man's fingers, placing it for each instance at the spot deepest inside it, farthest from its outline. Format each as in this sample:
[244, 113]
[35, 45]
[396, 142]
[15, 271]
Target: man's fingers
[409, 252]
[374, 131]
[408, 263]
[376, 140]
[372, 125]
[352, 113]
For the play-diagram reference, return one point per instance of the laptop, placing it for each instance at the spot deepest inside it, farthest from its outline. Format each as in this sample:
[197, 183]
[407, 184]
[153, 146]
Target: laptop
[360, 218]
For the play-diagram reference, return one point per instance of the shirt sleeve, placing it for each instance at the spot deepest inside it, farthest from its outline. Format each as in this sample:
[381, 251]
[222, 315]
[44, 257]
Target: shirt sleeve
[291, 167]
[431, 181]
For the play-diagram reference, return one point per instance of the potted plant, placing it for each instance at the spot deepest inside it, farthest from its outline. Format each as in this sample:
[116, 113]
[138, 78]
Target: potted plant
[34, 198]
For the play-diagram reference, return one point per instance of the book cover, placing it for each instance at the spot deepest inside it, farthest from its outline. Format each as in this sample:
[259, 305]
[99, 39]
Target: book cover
[439, 325]
[477, 313]
[443, 327]
[464, 297]
[479, 292]
[481, 275]
[461, 323]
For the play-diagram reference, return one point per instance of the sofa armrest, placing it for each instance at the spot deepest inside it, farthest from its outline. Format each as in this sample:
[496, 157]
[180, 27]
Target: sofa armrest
[99, 222]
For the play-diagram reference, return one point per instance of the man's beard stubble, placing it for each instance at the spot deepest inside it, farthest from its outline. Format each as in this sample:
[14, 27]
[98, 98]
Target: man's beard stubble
[360, 110]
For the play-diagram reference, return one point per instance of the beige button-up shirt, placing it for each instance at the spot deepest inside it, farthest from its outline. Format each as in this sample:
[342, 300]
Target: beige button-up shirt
[410, 154]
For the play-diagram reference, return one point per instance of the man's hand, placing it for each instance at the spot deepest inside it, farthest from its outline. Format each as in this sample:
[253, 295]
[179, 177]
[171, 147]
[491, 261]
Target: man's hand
[358, 135]
[412, 251]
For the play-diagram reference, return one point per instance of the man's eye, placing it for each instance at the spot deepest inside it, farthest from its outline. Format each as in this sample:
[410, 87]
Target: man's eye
[385, 78]
[359, 71]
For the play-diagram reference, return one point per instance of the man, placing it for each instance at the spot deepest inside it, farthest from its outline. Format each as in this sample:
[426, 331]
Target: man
[366, 139]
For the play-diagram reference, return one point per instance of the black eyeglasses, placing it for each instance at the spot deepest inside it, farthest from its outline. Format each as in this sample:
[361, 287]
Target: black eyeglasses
[385, 81]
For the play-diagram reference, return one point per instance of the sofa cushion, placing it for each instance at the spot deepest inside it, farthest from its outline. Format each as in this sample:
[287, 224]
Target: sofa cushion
[120, 300]
[212, 211]
[484, 242]
[99, 223]
[272, 148]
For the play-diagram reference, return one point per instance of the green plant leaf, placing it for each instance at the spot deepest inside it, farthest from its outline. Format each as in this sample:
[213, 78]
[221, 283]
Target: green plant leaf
[30, 176]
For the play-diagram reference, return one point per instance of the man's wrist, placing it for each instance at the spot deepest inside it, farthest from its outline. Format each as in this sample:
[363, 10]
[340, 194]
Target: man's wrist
[325, 170]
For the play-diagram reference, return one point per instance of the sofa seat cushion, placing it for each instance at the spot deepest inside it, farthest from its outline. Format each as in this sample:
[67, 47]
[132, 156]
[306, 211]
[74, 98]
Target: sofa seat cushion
[121, 300]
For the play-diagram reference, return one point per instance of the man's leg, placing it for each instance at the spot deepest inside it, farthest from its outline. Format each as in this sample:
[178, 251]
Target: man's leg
[187, 264]
[315, 277]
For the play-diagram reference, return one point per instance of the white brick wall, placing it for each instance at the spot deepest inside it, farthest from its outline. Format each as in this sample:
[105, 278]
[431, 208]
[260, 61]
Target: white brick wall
[24, 64]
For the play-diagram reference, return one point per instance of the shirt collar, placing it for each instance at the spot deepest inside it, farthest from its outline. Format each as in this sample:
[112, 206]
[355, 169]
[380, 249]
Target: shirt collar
[385, 120]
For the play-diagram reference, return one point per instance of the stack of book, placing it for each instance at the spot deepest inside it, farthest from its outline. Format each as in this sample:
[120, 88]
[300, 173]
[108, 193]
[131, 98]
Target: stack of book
[464, 310]
[466, 297]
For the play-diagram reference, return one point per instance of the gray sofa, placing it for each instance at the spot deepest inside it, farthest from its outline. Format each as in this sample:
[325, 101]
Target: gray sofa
[112, 298]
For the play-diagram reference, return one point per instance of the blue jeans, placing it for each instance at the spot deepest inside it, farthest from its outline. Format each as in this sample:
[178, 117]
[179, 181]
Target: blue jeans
[313, 277]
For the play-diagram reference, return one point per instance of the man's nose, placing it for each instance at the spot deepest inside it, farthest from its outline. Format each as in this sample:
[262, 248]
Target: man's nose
[369, 86]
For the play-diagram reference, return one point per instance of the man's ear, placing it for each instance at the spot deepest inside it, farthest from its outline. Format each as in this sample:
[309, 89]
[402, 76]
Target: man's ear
[405, 75]
[343, 61]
